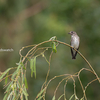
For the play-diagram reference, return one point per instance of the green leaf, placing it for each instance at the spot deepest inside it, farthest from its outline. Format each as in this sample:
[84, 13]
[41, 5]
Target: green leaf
[41, 92]
[14, 96]
[23, 65]
[82, 98]
[5, 97]
[26, 85]
[54, 47]
[71, 97]
[53, 97]
[76, 98]
[4, 73]
[14, 74]
[9, 87]
[24, 92]
[33, 66]
[6, 78]
[10, 96]
[40, 98]
[60, 97]
[18, 68]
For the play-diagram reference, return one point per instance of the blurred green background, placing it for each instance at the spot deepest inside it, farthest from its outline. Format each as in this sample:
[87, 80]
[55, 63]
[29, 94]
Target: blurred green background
[26, 22]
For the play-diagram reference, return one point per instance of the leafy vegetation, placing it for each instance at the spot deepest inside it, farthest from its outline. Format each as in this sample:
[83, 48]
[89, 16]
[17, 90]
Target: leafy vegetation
[25, 22]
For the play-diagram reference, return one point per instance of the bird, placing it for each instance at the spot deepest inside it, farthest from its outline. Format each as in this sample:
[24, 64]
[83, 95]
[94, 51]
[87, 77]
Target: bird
[75, 41]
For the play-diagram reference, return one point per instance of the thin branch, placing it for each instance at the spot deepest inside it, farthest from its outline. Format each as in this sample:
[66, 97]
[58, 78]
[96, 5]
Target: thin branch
[82, 57]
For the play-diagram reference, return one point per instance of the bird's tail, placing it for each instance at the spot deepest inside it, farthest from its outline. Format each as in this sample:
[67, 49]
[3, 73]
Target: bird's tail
[73, 57]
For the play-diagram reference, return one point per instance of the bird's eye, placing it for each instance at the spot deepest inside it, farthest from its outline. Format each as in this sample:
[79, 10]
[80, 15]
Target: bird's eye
[71, 31]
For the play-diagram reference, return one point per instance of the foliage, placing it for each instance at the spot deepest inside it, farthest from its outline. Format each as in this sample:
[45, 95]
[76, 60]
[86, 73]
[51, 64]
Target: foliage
[25, 22]
[17, 86]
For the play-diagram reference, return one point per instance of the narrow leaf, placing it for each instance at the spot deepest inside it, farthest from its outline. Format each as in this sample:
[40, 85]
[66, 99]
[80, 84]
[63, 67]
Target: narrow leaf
[10, 96]
[6, 78]
[26, 96]
[40, 98]
[53, 97]
[76, 97]
[26, 85]
[71, 97]
[31, 66]
[14, 74]
[41, 92]
[34, 67]
[24, 91]
[23, 65]
[60, 97]
[4, 73]
[18, 68]
[14, 96]
[54, 47]
[82, 98]
[9, 87]
[5, 97]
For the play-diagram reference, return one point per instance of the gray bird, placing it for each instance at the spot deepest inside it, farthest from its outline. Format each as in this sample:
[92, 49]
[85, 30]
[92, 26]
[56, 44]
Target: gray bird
[75, 41]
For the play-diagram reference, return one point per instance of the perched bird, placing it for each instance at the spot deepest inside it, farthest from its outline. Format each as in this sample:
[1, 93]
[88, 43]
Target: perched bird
[75, 41]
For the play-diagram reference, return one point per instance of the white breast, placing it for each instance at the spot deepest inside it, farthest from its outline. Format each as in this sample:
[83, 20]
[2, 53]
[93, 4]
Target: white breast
[75, 41]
